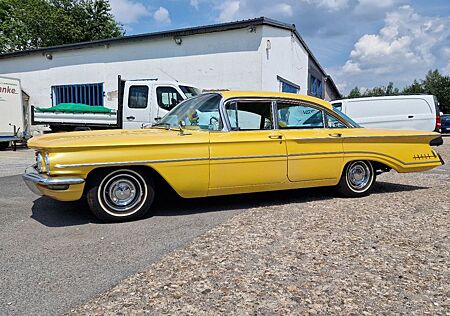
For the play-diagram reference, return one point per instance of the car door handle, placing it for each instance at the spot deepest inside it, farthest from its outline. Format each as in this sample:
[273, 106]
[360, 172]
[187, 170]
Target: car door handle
[410, 116]
[335, 135]
[130, 118]
[275, 136]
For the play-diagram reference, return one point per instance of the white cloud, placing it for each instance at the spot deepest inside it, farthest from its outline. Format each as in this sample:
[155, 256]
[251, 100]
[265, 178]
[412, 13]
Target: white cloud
[283, 9]
[331, 5]
[162, 16]
[406, 47]
[229, 10]
[127, 11]
[195, 4]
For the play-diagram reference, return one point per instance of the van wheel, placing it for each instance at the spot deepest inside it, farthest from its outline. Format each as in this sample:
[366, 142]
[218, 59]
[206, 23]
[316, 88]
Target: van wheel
[357, 179]
[120, 195]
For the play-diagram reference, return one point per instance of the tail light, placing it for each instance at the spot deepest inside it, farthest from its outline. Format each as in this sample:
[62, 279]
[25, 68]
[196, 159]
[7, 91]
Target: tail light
[438, 122]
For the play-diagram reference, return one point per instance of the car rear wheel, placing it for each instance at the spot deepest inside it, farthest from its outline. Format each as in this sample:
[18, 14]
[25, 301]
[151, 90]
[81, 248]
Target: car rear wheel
[357, 179]
[120, 195]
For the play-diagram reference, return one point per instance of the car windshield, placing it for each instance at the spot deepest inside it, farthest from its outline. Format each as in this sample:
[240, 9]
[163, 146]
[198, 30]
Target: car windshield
[348, 119]
[198, 113]
[190, 91]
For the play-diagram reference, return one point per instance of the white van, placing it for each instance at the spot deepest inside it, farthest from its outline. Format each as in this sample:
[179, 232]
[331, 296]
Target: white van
[416, 112]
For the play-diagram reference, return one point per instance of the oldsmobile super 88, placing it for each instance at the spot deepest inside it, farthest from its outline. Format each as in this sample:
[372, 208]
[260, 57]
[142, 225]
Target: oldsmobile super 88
[224, 143]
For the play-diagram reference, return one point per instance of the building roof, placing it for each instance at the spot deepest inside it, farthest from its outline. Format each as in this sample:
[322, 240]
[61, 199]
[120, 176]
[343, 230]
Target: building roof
[178, 32]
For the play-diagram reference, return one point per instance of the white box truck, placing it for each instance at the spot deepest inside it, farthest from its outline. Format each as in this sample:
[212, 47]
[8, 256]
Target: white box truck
[413, 112]
[13, 113]
[140, 102]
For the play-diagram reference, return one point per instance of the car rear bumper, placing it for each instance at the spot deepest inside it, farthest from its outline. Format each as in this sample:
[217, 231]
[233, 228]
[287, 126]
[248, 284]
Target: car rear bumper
[59, 188]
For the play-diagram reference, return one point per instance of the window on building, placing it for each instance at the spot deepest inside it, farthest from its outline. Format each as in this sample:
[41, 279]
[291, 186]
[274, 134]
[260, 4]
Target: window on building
[168, 97]
[287, 86]
[316, 87]
[90, 94]
[138, 97]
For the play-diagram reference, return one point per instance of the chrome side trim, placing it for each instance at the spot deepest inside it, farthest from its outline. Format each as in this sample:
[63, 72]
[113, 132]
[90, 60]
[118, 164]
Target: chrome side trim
[317, 153]
[391, 136]
[396, 159]
[125, 163]
[249, 157]
[365, 137]
[321, 138]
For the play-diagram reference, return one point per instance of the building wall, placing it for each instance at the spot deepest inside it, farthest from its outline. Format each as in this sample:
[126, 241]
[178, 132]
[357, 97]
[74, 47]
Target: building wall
[235, 60]
[285, 58]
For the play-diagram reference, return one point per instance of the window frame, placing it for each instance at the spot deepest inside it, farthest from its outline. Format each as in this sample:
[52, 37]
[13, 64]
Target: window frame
[129, 96]
[313, 105]
[226, 119]
[165, 87]
[301, 103]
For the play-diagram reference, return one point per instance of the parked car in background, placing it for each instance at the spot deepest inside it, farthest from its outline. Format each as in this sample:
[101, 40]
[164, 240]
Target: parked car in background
[413, 112]
[141, 102]
[224, 143]
[445, 123]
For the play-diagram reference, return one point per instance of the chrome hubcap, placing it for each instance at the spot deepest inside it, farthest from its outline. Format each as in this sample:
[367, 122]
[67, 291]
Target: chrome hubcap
[123, 192]
[359, 175]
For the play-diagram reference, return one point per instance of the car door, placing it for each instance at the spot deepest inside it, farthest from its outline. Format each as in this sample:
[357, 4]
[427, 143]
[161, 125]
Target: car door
[314, 146]
[252, 153]
[136, 111]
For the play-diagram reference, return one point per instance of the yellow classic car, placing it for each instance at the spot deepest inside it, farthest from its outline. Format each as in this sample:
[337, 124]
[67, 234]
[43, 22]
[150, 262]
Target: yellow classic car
[224, 143]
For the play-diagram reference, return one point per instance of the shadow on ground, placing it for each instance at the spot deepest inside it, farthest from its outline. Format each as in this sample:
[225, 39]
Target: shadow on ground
[60, 214]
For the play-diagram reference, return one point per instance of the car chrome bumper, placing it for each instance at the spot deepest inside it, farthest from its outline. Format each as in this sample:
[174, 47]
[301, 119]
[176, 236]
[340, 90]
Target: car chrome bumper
[33, 179]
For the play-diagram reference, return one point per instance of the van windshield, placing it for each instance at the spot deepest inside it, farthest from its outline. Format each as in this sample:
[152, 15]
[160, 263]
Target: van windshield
[190, 91]
[348, 119]
[197, 113]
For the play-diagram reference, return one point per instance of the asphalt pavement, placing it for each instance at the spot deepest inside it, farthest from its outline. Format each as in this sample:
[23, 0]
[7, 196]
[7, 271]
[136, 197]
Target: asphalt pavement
[55, 256]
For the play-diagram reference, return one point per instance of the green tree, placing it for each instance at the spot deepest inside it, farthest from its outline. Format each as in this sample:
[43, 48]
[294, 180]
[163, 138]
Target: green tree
[415, 87]
[438, 85]
[43, 23]
[354, 93]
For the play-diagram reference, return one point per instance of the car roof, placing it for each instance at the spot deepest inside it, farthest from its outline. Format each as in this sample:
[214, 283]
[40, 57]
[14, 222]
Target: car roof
[277, 95]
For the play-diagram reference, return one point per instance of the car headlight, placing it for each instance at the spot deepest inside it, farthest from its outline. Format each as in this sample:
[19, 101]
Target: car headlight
[39, 162]
[47, 163]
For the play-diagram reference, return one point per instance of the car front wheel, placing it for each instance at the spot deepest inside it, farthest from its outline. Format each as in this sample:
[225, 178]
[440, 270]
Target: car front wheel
[357, 179]
[120, 195]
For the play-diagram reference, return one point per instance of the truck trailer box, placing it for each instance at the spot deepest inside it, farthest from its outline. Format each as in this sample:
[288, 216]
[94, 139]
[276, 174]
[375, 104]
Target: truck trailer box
[12, 112]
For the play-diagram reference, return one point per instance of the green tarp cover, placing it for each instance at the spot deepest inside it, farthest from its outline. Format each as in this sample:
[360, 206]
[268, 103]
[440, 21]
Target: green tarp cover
[75, 108]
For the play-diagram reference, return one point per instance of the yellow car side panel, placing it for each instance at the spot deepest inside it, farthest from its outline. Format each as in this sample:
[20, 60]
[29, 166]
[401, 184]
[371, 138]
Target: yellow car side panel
[247, 158]
[313, 154]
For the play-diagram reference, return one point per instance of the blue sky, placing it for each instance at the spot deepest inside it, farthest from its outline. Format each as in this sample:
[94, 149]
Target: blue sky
[359, 42]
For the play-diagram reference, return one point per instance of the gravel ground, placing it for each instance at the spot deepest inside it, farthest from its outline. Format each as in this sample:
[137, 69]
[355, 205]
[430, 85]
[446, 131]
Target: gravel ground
[387, 253]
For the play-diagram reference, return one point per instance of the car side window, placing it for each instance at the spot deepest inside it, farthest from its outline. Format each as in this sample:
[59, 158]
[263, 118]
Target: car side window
[295, 115]
[168, 97]
[138, 97]
[332, 122]
[249, 115]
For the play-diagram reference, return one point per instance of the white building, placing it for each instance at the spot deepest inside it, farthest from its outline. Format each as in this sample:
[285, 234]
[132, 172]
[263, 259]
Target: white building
[257, 54]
